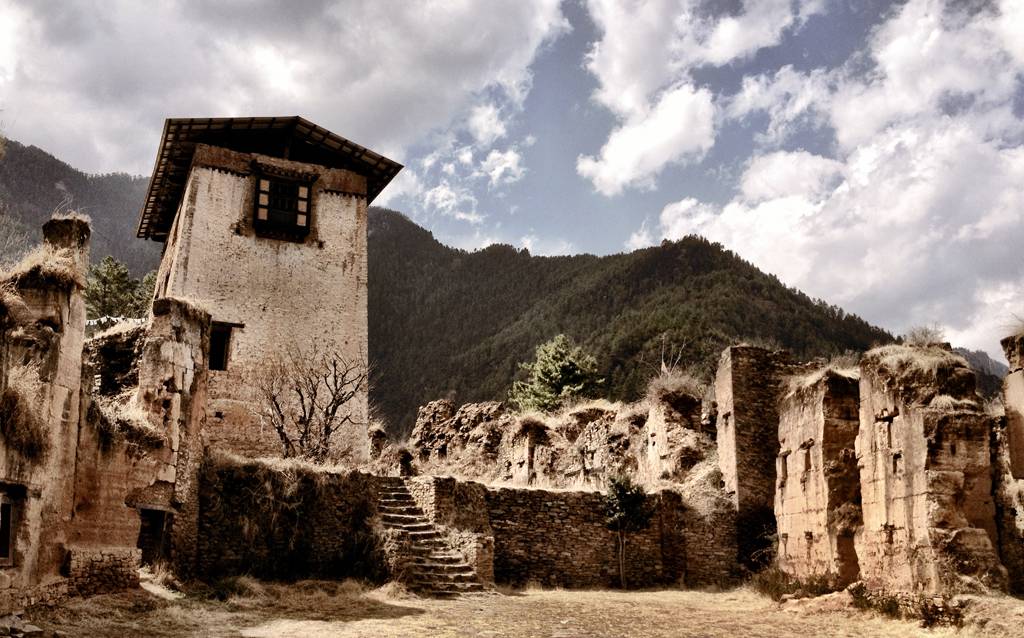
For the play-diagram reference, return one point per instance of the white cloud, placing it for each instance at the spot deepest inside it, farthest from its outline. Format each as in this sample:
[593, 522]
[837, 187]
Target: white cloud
[452, 200]
[485, 124]
[790, 98]
[681, 127]
[640, 238]
[781, 174]
[643, 62]
[503, 167]
[382, 74]
[546, 247]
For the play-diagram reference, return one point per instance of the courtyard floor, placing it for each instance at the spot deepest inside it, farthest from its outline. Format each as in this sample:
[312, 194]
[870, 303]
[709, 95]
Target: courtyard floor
[320, 609]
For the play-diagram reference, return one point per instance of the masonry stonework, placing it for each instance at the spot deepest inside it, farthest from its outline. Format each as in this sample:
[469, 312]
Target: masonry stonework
[817, 502]
[747, 389]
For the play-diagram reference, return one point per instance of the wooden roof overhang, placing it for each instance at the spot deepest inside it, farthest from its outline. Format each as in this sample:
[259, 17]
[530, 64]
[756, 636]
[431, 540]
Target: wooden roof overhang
[294, 138]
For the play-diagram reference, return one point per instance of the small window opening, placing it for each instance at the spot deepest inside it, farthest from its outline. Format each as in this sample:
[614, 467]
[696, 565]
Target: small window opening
[896, 462]
[888, 434]
[6, 532]
[220, 345]
[283, 208]
[807, 459]
[783, 468]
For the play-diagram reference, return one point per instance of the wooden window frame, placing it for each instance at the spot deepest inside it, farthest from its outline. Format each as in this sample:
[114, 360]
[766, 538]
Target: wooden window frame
[282, 207]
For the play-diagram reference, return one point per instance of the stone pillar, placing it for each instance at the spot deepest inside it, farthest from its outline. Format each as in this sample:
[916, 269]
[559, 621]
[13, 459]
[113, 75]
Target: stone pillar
[172, 392]
[817, 501]
[747, 388]
[1009, 467]
[926, 474]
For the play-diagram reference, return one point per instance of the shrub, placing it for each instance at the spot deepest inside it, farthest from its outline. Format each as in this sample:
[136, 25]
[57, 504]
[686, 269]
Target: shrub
[627, 510]
[924, 336]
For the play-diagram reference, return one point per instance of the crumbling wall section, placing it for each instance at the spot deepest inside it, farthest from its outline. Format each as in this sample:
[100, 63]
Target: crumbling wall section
[1008, 453]
[926, 477]
[37, 448]
[817, 502]
[747, 389]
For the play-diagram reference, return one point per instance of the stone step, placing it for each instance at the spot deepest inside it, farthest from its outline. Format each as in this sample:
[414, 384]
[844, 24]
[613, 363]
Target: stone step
[397, 500]
[408, 511]
[458, 569]
[401, 518]
[409, 527]
[447, 589]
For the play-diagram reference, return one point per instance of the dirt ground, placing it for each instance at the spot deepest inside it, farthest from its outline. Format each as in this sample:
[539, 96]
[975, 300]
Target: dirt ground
[320, 609]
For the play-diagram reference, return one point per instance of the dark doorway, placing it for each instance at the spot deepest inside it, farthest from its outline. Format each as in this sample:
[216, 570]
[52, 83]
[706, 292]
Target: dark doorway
[153, 535]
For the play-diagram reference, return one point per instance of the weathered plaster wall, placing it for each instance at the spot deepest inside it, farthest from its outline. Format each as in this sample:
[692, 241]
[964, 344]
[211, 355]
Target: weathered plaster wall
[285, 293]
[1009, 466]
[48, 338]
[926, 477]
[817, 498]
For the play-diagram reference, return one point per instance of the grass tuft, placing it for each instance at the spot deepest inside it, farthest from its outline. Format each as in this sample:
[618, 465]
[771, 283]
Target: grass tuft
[21, 427]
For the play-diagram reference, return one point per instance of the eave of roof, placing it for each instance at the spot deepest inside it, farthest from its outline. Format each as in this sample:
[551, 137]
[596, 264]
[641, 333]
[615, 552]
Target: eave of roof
[293, 137]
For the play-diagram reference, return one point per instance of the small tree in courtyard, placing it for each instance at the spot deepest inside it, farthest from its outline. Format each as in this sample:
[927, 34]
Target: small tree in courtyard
[561, 370]
[627, 510]
[308, 397]
[112, 292]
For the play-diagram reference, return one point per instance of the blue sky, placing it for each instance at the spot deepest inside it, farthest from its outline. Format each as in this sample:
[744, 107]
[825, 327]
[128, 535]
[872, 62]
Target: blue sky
[870, 153]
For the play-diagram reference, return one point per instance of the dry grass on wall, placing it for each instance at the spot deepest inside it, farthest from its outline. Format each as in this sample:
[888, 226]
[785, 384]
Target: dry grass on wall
[45, 265]
[21, 427]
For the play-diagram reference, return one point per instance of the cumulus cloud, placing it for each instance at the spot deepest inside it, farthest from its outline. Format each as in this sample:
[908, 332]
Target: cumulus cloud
[418, 67]
[681, 127]
[503, 167]
[643, 63]
[920, 217]
[485, 124]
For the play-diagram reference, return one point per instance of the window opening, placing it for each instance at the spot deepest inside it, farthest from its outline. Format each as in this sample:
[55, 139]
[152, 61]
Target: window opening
[6, 531]
[282, 208]
[220, 345]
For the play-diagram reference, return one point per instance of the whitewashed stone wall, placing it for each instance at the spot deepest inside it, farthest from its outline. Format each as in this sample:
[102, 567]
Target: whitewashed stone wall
[286, 294]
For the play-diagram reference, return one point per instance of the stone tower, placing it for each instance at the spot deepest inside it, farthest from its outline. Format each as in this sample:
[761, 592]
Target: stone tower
[263, 222]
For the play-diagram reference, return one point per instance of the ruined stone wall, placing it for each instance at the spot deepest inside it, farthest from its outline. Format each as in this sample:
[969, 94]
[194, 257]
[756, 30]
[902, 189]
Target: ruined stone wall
[459, 510]
[37, 461]
[1009, 466]
[286, 520]
[817, 502]
[560, 539]
[747, 392]
[100, 570]
[926, 477]
[279, 293]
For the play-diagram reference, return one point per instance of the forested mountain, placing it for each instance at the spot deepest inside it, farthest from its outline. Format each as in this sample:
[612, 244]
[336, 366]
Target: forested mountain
[33, 184]
[446, 322]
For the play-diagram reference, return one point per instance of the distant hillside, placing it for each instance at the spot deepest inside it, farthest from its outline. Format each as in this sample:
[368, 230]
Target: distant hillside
[445, 322]
[990, 372]
[33, 184]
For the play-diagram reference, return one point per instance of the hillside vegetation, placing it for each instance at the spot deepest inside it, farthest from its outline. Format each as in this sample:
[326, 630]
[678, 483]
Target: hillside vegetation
[33, 184]
[449, 323]
[453, 324]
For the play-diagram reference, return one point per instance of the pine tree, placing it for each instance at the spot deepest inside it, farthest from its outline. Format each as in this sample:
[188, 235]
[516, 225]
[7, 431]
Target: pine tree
[112, 292]
[560, 371]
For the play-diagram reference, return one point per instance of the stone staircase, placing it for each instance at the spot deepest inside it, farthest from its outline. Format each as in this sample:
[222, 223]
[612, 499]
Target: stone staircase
[435, 568]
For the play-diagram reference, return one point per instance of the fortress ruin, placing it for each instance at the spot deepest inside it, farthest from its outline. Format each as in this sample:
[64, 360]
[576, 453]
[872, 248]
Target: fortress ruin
[138, 446]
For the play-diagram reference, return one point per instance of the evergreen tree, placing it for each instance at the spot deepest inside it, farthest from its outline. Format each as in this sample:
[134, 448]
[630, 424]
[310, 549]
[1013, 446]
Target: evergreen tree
[560, 371]
[112, 292]
[627, 510]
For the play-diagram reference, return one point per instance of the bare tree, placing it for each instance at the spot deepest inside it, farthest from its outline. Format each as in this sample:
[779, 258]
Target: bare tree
[308, 397]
